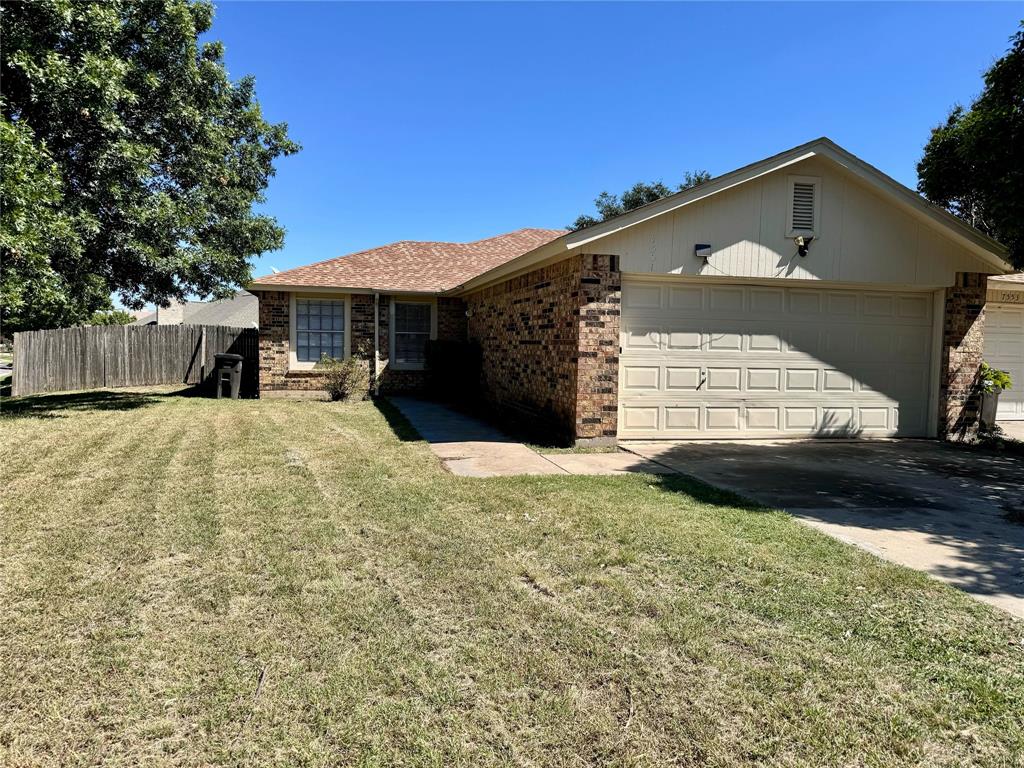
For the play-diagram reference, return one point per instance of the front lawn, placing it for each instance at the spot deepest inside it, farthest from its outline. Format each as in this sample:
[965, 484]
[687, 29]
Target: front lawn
[187, 581]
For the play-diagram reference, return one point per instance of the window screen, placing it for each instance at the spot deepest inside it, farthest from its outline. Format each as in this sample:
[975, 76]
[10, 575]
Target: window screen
[412, 331]
[319, 329]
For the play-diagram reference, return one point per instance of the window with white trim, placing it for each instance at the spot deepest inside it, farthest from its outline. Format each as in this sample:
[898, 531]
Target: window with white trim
[412, 332]
[319, 329]
[804, 206]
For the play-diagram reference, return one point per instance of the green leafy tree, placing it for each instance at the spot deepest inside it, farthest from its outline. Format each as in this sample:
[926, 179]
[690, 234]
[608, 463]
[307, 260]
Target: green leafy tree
[973, 163]
[111, 317]
[131, 161]
[609, 205]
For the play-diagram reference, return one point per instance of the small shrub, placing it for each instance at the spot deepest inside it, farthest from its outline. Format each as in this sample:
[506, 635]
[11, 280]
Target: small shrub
[349, 379]
[993, 379]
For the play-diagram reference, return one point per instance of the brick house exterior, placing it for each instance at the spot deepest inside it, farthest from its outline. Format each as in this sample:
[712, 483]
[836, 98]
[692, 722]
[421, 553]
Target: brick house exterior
[275, 378]
[714, 321]
[549, 341]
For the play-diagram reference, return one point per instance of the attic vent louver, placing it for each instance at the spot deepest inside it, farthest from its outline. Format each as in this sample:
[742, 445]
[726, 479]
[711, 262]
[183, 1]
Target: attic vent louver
[803, 206]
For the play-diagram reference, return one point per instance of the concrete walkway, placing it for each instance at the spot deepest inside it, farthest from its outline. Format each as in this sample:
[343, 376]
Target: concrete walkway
[471, 448]
[1013, 429]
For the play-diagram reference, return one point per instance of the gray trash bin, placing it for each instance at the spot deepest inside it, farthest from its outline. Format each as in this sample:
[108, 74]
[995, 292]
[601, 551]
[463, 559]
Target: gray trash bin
[229, 371]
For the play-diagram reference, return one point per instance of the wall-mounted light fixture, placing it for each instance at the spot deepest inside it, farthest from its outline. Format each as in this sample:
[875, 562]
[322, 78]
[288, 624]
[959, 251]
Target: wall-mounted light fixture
[803, 244]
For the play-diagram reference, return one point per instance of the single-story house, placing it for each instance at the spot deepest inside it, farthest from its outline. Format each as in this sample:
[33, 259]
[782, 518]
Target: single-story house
[238, 311]
[807, 294]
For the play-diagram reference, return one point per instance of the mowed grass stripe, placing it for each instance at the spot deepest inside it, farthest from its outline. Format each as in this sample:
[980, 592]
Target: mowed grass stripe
[291, 583]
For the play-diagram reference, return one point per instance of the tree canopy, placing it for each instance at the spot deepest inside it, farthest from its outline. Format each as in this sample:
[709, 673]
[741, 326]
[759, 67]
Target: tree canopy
[641, 193]
[131, 161]
[111, 317]
[973, 163]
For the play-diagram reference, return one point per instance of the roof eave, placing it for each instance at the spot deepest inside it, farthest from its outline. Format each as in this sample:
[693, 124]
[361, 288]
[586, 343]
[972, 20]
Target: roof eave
[295, 287]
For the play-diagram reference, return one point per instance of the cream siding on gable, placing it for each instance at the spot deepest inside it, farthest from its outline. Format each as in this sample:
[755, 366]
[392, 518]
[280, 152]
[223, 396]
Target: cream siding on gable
[863, 237]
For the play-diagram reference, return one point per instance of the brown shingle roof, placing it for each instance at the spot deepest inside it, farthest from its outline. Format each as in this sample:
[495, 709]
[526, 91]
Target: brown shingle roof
[410, 265]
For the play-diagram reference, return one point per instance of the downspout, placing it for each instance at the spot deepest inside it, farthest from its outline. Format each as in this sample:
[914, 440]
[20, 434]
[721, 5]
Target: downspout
[376, 344]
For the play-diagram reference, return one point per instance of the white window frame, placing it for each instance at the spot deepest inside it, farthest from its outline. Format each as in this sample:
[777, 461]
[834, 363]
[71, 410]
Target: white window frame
[792, 182]
[294, 364]
[391, 330]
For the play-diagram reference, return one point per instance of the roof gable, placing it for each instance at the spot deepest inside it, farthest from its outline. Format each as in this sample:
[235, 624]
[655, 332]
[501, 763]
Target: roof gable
[906, 199]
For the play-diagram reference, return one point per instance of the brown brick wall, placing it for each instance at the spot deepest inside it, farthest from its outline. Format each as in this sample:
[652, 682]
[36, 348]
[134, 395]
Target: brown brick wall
[274, 342]
[549, 341]
[963, 341]
[597, 374]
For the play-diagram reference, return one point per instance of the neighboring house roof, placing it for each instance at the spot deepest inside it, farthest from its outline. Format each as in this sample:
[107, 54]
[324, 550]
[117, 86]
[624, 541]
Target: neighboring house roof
[240, 311]
[412, 266]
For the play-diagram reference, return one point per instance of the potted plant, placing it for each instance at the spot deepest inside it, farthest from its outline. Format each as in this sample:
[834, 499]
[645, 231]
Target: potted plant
[993, 382]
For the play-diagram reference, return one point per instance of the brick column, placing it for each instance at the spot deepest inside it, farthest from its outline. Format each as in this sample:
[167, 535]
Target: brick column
[274, 319]
[963, 337]
[597, 372]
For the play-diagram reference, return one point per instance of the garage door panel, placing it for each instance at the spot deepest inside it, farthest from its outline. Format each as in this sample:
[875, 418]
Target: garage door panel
[685, 419]
[764, 379]
[803, 339]
[842, 305]
[726, 299]
[763, 418]
[640, 339]
[801, 419]
[641, 377]
[724, 340]
[801, 379]
[730, 361]
[874, 419]
[805, 302]
[764, 342]
[686, 298]
[767, 300]
[682, 378]
[684, 340]
[723, 418]
[1004, 349]
[640, 418]
[836, 381]
[727, 379]
[642, 297]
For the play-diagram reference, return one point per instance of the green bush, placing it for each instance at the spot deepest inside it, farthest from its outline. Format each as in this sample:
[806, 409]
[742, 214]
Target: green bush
[349, 379]
[993, 379]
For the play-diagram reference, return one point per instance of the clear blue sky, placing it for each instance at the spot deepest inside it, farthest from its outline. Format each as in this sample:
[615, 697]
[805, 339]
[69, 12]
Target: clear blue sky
[460, 121]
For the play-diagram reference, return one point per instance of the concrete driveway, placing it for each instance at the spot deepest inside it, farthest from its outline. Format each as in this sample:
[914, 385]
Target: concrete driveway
[930, 506]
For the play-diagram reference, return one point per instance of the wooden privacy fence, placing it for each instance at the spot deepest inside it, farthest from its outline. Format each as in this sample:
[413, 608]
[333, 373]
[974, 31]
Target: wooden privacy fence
[127, 356]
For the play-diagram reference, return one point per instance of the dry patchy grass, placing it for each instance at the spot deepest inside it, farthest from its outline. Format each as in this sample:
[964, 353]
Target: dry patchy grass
[190, 582]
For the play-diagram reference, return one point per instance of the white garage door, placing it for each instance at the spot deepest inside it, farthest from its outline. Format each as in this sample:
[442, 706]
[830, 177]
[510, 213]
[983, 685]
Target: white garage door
[706, 361]
[1004, 348]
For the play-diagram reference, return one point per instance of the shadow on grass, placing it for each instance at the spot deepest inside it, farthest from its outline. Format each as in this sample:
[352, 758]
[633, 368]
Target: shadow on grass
[703, 493]
[401, 426]
[60, 405]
